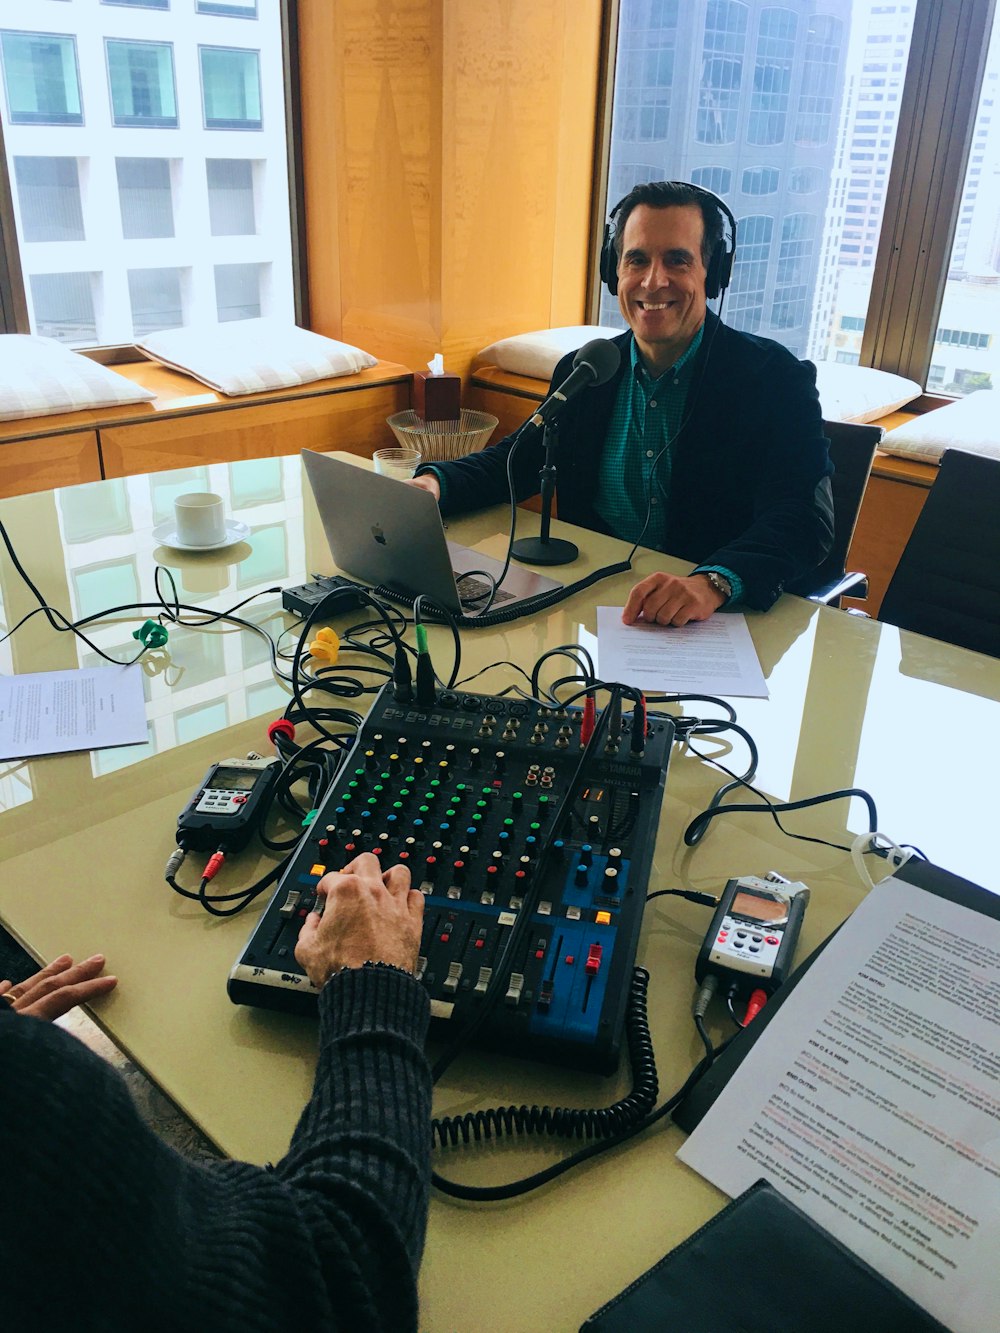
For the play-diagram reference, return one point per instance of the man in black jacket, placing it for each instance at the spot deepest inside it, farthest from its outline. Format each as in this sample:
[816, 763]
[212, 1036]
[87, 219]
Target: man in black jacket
[707, 443]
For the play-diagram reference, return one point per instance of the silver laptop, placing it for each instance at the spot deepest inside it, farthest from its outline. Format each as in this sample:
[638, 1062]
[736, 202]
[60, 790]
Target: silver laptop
[389, 534]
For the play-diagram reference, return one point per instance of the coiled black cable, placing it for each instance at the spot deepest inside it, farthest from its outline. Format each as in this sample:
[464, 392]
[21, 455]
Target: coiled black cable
[571, 1122]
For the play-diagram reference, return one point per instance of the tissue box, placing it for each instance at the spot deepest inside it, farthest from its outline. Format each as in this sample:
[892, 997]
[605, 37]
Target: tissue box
[437, 397]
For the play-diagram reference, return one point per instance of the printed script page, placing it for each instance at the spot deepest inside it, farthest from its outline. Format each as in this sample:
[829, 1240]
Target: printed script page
[873, 1100]
[54, 712]
[714, 656]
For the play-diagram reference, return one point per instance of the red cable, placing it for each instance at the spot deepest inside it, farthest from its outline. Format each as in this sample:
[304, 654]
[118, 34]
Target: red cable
[755, 1004]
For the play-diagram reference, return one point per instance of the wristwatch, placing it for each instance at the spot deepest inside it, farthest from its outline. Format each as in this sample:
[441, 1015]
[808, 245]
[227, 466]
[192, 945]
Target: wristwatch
[719, 582]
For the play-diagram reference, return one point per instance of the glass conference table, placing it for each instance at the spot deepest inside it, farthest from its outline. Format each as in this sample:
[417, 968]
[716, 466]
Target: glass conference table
[84, 839]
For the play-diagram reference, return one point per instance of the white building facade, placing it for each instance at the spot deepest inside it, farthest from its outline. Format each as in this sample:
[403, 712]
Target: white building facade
[146, 145]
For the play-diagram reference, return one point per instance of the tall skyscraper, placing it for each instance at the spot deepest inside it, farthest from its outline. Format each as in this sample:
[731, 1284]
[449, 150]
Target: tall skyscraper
[743, 98]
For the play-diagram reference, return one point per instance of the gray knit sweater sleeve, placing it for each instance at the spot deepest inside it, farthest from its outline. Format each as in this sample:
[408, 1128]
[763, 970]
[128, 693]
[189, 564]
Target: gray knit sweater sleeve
[104, 1226]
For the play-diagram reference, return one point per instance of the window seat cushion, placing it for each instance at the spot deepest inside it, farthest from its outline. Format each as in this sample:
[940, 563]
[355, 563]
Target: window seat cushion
[251, 355]
[536, 354]
[969, 424]
[846, 393]
[861, 393]
[41, 377]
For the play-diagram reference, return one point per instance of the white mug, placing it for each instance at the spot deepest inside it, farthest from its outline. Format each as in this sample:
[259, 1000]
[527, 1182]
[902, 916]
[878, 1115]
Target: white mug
[200, 518]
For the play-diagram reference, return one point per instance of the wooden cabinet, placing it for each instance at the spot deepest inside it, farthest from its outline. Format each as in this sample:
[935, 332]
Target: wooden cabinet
[353, 422]
[188, 424]
[47, 461]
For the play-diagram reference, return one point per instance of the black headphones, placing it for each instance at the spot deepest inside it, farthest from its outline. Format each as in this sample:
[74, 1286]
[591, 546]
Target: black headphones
[720, 265]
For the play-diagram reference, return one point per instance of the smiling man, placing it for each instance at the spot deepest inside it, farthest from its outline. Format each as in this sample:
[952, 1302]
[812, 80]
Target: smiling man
[706, 444]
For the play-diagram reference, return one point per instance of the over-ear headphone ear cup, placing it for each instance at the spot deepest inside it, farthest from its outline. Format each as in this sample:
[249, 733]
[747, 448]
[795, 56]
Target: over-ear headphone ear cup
[713, 274]
[609, 261]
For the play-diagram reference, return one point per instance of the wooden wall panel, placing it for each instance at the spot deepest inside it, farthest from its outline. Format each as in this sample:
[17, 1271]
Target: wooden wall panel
[448, 151]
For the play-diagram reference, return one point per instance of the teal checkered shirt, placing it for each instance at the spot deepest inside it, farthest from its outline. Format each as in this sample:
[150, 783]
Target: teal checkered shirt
[636, 462]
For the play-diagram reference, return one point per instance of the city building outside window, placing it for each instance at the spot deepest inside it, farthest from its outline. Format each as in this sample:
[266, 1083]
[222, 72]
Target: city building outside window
[146, 151]
[779, 100]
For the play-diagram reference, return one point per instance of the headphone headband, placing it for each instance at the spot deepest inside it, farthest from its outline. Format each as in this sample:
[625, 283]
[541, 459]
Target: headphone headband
[720, 265]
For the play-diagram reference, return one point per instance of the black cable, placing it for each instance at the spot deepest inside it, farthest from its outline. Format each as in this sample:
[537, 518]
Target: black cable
[493, 1193]
[571, 1121]
[694, 830]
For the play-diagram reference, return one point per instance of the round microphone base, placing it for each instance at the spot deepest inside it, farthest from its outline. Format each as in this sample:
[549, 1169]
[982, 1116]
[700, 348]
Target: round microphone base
[533, 551]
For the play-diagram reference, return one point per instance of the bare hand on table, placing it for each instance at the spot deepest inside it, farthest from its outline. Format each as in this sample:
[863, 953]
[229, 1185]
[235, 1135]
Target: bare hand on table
[368, 916]
[670, 599]
[59, 987]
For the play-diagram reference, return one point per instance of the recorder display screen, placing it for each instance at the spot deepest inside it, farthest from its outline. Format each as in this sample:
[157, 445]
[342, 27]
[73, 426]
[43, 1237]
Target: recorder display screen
[753, 907]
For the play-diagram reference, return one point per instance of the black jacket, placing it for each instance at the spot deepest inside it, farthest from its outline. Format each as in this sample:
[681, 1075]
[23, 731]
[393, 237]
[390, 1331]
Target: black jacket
[749, 486]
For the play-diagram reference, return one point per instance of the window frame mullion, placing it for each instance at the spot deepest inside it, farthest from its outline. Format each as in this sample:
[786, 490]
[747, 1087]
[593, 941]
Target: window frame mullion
[937, 118]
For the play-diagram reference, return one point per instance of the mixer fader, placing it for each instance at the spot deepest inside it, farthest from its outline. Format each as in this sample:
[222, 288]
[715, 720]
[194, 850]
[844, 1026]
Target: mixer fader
[526, 890]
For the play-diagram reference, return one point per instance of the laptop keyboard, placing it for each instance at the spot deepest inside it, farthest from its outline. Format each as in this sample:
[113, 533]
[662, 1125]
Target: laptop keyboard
[472, 589]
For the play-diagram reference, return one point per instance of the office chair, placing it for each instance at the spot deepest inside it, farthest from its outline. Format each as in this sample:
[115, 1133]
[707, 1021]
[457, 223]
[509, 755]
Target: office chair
[947, 582]
[852, 449]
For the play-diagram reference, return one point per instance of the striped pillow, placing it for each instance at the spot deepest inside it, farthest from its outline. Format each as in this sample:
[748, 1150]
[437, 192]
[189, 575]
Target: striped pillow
[40, 376]
[250, 355]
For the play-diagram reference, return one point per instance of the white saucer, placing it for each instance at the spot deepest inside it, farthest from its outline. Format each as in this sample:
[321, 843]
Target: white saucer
[166, 535]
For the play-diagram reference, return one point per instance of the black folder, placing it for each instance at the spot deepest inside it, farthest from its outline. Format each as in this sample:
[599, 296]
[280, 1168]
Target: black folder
[761, 1266]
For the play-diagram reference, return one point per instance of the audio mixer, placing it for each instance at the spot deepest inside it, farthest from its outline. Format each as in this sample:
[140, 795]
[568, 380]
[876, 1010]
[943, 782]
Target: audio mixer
[534, 870]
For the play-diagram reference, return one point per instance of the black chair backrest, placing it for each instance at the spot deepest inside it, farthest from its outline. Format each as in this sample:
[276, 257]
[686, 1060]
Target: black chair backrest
[852, 449]
[947, 582]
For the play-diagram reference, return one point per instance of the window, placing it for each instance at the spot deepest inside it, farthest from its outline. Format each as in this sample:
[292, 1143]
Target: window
[760, 180]
[818, 98]
[40, 75]
[805, 180]
[230, 88]
[643, 94]
[48, 191]
[962, 338]
[233, 8]
[64, 306]
[145, 197]
[139, 4]
[155, 298]
[238, 291]
[142, 83]
[717, 179]
[745, 308]
[852, 323]
[721, 71]
[231, 197]
[772, 77]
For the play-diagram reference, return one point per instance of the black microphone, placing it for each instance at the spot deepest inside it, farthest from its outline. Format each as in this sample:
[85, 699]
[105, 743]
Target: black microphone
[593, 364]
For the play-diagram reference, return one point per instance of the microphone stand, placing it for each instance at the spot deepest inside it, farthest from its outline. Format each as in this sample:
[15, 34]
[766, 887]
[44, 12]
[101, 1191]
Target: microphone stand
[543, 549]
